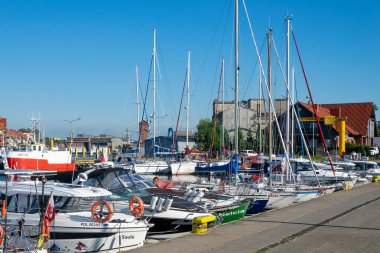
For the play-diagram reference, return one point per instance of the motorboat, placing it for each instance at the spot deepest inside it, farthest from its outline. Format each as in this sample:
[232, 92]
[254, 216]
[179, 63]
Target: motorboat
[77, 226]
[168, 212]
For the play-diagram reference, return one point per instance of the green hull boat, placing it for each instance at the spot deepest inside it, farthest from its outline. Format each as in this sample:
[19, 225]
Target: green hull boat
[231, 213]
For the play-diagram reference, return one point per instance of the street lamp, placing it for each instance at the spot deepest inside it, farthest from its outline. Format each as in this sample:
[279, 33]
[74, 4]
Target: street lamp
[71, 132]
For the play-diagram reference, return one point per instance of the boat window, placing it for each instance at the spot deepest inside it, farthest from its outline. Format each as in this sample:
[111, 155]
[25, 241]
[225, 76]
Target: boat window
[124, 194]
[67, 205]
[39, 148]
[91, 182]
[34, 148]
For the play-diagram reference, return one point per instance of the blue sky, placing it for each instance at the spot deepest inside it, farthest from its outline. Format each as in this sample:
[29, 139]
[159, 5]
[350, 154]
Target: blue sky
[68, 59]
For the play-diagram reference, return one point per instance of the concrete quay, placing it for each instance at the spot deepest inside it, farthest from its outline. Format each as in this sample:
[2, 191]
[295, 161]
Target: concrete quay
[346, 221]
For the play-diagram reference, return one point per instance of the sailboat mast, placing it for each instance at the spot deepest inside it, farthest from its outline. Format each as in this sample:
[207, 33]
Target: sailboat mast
[154, 92]
[222, 142]
[138, 102]
[188, 98]
[236, 75]
[270, 107]
[292, 113]
[260, 98]
[287, 133]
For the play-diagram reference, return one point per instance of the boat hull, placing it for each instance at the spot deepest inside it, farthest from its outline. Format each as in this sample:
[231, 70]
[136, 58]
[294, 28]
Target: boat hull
[257, 205]
[231, 213]
[59, 161]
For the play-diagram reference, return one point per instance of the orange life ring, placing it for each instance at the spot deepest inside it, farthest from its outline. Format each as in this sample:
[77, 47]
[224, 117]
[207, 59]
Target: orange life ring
[99, 216]
[1, 235]
[155, 180]
[46, 227]
[138, 210]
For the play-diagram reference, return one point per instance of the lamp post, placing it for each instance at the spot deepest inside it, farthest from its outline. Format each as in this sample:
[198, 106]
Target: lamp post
[71, 131]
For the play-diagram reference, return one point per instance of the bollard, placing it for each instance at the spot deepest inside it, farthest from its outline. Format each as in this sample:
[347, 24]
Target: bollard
[200, 223]
[347, 186]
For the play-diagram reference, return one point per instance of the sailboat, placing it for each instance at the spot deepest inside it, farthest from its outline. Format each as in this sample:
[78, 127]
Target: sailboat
[155, 166]
[188, 166]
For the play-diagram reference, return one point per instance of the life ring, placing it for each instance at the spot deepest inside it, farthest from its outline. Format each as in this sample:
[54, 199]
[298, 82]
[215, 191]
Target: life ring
[1, 235]
[155, 180]
[138, 210]
[99, 216]
[46, 227]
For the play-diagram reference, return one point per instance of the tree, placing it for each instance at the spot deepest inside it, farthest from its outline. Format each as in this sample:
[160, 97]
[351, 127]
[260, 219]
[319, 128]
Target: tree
[204, 135]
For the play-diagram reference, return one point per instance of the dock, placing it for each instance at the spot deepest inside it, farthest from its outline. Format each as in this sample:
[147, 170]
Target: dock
[345, 221]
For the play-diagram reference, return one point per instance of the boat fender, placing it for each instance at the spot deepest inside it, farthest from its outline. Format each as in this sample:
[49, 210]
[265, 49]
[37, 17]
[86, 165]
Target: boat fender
[46, 227]
[193, 195]
[138, 210]
[160, 204]
[98, 216]
[3, 209]
[187, 193]
[153, 202]
[198, 197]
[168, 203]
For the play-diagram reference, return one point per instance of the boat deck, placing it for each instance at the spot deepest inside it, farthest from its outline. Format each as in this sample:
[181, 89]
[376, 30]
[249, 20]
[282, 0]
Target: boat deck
[339, 222]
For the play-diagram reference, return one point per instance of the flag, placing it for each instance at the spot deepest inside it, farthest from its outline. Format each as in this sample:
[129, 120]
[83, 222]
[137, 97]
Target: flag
[102, 160]
[50, 209]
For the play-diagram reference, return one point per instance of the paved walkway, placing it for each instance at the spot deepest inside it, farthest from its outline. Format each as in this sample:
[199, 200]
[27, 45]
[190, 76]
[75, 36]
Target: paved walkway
[339, 222]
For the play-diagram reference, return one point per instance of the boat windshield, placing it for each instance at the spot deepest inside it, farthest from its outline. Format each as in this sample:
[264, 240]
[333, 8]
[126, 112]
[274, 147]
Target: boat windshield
[27, 203]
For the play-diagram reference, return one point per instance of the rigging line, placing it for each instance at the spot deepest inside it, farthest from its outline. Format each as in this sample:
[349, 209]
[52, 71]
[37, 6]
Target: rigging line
[212, 42]
[292, 102]
[158, 93]
[313, 105]
[179, 111]
[266, 82]
[215, 113]
[144, 113]
[253, 71]
[219, 56]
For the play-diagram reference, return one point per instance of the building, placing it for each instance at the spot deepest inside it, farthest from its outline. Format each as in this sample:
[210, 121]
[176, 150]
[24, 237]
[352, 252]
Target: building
[252, 115]
[92, 144]
[181, 140]
[360, 119]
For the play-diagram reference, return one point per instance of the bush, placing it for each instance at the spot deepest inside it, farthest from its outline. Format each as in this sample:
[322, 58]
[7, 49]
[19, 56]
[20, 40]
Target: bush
[353, 147]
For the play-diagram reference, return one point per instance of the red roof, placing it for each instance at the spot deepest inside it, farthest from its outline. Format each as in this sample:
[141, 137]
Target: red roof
[357, 114]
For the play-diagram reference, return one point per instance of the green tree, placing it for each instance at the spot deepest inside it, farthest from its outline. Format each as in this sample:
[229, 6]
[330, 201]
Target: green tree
[204, 135]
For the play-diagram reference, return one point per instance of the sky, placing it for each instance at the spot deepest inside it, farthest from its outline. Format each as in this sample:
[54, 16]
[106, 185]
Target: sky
[67, 59]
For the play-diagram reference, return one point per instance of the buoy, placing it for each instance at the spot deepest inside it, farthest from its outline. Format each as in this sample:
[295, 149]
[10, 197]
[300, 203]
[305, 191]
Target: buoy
[138, 210]
[99, 216]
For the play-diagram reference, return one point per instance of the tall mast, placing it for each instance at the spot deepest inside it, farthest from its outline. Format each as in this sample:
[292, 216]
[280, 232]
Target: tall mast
[154, 92]
[287, 134]
[222, 108]
[292, 112]
[138, 104]
[270, 107]
[236, 75]
[260, 93]
[188, 98]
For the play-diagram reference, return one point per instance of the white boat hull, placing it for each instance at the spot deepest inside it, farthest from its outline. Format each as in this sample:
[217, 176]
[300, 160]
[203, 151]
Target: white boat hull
[77, 232]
